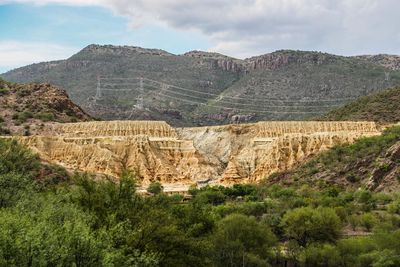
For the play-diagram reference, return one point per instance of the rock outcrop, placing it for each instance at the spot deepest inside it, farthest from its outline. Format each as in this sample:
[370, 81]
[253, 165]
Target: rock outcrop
[218, 61]
[391, 62]
[31, 108]
[280, 59]
[155, 151]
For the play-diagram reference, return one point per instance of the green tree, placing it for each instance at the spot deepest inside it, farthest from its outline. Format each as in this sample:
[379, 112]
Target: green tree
[306, 225]
[240, 240]
[13, 187]
[46, 231]
[155, 188]
[17, 159]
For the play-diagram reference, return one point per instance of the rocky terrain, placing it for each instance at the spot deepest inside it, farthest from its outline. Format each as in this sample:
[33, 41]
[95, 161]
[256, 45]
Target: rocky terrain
[201, 88]
[372, 163]
[27, 109]
[155, 151]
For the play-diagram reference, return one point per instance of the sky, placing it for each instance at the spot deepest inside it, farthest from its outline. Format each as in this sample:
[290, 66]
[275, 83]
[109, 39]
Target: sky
[32, 31]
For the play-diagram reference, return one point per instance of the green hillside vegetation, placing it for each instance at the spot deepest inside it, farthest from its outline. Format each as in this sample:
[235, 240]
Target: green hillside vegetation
[371, 163]
[50, 219]
[382, 107]
[212, 88]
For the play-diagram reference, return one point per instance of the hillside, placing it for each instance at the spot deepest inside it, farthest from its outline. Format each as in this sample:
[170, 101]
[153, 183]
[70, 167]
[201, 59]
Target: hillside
[373, 163]
[382, 107]
[30, 108]
[201, 88]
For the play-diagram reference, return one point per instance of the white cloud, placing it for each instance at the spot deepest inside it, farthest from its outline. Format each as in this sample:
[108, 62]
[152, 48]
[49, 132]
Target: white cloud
[61, 2]
[15, 54]
[248, 27]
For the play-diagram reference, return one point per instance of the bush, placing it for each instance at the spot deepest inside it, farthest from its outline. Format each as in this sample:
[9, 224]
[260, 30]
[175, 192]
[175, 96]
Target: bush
[321, 255]
[210, 197]
[155, 188]
[4, 131]
[22, 117]
[368, 221]
[4, 91]
[45, 116]
[23, 92]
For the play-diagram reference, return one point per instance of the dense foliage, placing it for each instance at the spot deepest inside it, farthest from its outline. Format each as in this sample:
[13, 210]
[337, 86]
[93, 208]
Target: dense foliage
[84, 221]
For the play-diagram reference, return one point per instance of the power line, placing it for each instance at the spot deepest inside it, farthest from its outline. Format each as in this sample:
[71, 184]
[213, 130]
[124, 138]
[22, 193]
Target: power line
[240, 104]
[262, 99]
[242, 98]
[225, 107]
[239, 109]
[165, 88]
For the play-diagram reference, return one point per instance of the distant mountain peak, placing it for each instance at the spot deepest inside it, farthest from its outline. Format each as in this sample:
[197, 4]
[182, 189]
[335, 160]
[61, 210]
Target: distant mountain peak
[122, 50]
[205, 54]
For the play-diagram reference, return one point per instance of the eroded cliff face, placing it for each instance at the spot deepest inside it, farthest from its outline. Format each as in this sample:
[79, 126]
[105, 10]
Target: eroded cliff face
[217, 155]
[251, 152]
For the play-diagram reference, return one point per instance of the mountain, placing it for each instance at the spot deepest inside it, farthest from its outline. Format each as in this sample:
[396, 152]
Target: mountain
[202, 88]
[382, 107]
[32, 108]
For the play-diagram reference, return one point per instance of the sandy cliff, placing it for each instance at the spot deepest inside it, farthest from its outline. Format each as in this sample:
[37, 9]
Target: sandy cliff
[219, 154]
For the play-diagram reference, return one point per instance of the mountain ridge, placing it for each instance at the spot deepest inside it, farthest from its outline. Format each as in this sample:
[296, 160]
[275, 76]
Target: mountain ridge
[204, 88]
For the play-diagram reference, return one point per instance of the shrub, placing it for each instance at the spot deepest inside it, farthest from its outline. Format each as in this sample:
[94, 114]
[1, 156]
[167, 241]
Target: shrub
[352, 178]
[210, 197]
[155, 188]
[22, 117]
[321, 255]
[23, 92]
[4, 91]
[45, 116]
[368, 221]
[4, 131]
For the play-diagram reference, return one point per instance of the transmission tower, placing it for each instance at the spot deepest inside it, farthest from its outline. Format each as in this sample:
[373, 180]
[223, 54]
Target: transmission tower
[139, 99]
[98, 95]
[387, 76]
[164, 87]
